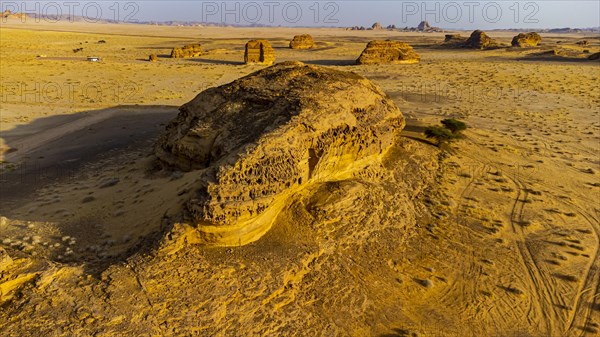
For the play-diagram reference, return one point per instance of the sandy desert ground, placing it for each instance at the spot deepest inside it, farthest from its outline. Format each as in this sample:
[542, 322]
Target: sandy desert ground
[501, 237]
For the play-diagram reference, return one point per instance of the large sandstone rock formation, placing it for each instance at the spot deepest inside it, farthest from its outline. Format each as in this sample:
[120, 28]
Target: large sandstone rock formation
[526, 40]
[304, 41]
[259, 51]
[480, 40]
[188, 51]
[267, 136]
[387, 51]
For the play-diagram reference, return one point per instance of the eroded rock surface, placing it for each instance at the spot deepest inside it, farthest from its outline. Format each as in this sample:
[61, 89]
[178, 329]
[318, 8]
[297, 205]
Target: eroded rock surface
[259, 51]
[304, 41]
[188, 51]
[265, 137]
[391, 52]
[454, 40]
[526, 40]
[480, 40]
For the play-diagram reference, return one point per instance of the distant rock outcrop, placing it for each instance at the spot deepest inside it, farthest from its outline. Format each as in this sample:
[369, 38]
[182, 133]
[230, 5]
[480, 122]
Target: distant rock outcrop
[526, 40]
[188, 51]
[424, 25]
[304, 41]
[7, 14]
[480, 40]
[266, 137]
[377, 26]
[455, 40]
[386, 51]
[259, 51]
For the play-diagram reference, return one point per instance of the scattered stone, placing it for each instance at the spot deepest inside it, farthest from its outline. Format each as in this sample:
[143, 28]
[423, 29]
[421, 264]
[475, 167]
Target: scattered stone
[259, 51]
[153, 58]
[427, 283]
[392, 52]
[526, 40]
[304, 41]
[109, 182]
[88, 198]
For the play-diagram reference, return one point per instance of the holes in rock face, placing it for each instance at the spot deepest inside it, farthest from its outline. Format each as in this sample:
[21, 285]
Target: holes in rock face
[313, 160]
[202, 193]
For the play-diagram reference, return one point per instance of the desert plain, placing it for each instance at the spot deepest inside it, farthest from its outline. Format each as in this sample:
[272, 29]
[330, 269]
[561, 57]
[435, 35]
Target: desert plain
[496, 234]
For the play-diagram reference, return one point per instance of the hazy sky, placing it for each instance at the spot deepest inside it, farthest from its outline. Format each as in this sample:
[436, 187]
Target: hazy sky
[446, 14]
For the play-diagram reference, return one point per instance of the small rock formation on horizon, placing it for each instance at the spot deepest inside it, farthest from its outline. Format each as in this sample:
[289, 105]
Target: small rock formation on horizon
[267, 137]
[387, 51]
[480, 40]
[304, 41]
[526, 40]
[376, 26]
[424, 25]
[259, 51]
[188, 51]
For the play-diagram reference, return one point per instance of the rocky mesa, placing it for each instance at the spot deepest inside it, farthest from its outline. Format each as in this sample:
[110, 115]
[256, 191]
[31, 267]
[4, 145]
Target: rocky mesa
[391, 52]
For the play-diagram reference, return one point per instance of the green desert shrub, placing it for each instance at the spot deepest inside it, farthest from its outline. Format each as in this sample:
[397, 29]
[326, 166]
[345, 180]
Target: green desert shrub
[455, 126]
[440, 134]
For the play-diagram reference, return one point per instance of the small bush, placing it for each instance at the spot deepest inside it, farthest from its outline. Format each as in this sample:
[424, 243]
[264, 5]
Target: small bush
[440, 134]
[455, 126]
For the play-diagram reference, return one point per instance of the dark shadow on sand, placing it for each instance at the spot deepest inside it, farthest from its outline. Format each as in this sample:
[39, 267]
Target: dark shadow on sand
[68, 158]
[331, 62]
[62, 158]
[224, 62]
